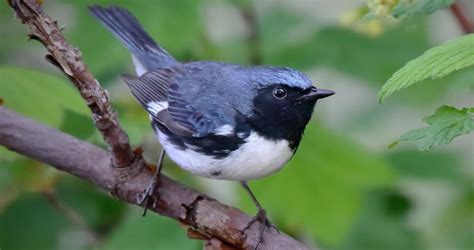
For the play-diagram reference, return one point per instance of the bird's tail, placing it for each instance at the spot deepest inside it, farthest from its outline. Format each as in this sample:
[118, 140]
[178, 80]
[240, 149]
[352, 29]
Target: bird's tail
[147, 54]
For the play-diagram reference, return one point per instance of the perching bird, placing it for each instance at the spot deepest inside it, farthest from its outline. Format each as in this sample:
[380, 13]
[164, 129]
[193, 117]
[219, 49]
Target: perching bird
[213, 119]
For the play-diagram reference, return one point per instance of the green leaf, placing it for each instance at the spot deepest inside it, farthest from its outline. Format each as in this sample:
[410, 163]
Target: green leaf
[406, 8]
[434, 63]
[38, 95]
[321, 190]
[444, 125]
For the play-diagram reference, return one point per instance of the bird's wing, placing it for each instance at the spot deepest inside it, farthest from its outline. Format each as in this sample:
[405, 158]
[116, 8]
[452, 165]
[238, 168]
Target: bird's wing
[159, 93]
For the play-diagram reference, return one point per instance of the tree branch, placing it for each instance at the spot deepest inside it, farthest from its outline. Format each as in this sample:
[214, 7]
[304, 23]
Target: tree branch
[69, 60]
[91, 163]
[217, 222]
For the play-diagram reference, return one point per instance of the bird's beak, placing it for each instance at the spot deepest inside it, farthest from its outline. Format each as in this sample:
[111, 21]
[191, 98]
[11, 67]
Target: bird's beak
[316, 94]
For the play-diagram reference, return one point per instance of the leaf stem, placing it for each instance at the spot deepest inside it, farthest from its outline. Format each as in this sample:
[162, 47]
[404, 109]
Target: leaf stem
[466, 24]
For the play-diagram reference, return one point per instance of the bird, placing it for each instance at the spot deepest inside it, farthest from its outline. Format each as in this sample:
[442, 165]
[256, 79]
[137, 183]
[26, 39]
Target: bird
[214, 119]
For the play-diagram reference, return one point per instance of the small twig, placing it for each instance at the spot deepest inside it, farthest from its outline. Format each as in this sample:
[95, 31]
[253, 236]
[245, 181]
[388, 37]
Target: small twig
[249, 15]
[466, 24]
[69, 60]
[72, 215]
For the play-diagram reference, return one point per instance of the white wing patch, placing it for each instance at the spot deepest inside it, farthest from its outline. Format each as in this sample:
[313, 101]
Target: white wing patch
[224, 130]
[155, 107]
[138, 67]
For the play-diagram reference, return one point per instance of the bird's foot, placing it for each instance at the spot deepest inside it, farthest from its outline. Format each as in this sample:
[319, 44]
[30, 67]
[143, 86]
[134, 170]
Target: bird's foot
[150, 196]
[264, 224]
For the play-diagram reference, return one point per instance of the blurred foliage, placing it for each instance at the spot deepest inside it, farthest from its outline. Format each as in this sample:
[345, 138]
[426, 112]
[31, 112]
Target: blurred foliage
[404, 8]
[454, 228]
[23, 224]
[18, 175]
[337, 193]
[134, 232]
[38, 95]
[355, 19]
[330, 47]
[179, 20]
[444, 125]
[383, 224]
[428, 166]
[333, 189]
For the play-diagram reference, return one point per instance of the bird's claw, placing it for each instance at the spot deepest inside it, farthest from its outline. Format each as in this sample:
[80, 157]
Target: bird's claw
[148, 197]
[264, 223]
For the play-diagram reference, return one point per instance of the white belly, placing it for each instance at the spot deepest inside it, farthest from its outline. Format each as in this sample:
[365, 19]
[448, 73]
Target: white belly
[255, 158]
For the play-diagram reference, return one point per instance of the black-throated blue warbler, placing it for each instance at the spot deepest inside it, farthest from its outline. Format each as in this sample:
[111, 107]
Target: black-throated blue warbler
[213, 119]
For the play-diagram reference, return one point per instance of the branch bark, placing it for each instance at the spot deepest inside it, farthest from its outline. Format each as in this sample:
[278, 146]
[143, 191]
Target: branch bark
[222, 225]
[69, 60]
[88, 162]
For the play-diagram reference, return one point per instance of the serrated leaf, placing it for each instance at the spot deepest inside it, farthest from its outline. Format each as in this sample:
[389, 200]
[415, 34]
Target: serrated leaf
[321, 189]
[444, 125]
[39, 95]
[434, 63]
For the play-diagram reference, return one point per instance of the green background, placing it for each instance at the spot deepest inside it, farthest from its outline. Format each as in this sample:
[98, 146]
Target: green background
[344, 189]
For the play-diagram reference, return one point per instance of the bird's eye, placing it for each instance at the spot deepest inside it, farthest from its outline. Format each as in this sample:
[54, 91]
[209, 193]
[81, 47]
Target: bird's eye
[279, 93]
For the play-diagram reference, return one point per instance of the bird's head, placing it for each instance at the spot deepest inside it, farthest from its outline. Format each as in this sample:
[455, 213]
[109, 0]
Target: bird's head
[283, 103]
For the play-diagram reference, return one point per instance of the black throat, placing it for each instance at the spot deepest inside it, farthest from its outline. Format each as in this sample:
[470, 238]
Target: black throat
[284, 120]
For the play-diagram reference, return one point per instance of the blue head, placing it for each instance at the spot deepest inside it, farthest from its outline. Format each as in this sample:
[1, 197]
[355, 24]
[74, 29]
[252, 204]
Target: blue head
[283, 102]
